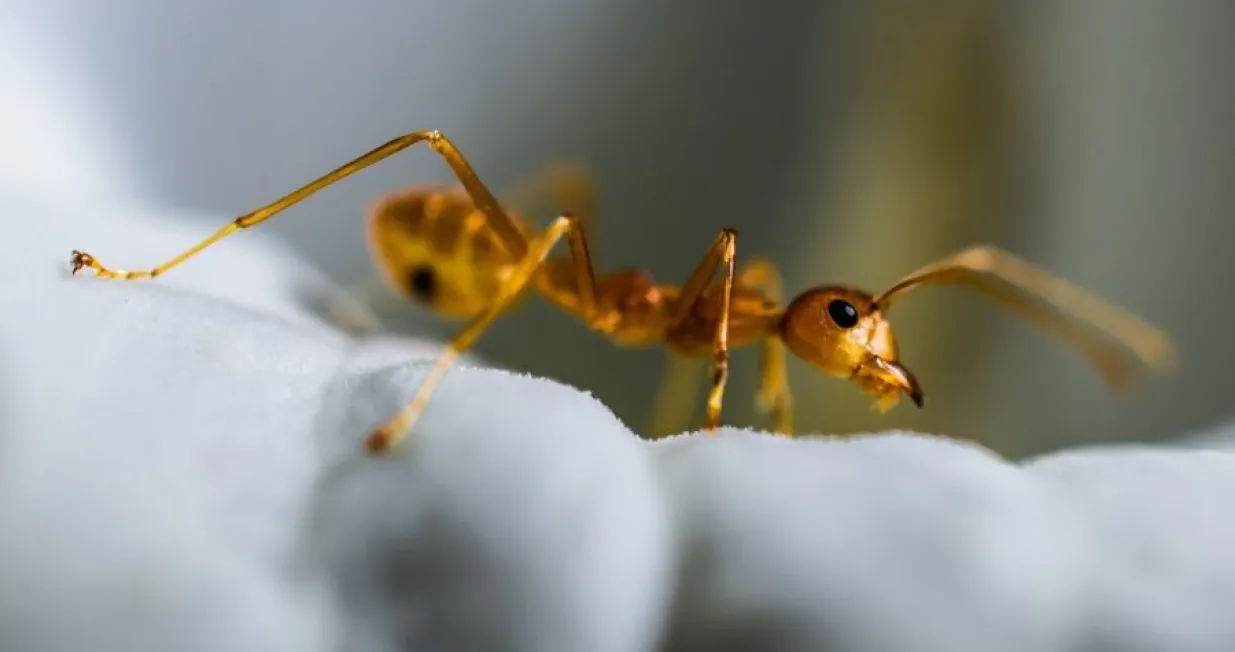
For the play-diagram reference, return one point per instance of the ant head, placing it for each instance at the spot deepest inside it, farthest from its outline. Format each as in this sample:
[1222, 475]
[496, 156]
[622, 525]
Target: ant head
[842, 331]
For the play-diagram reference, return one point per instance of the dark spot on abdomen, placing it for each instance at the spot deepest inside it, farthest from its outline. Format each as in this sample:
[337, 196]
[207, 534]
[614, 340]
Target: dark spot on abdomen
[422, 281]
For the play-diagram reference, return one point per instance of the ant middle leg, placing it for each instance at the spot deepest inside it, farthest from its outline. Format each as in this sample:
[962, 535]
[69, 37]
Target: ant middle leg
[480, 195]
[720, 254]
[774, 396]
[679, 380]
[389, 433]
[673, 408]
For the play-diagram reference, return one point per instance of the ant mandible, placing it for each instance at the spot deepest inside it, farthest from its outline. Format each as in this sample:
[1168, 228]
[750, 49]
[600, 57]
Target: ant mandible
[465, 256]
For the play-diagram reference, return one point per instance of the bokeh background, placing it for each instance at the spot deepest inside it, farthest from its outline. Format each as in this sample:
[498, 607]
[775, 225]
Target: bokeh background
[849, 141]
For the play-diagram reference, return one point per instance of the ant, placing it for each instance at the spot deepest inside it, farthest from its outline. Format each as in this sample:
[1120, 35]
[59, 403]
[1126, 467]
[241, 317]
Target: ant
[460, 253]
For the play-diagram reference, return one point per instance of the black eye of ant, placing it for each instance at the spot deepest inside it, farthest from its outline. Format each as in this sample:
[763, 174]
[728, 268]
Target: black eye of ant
[423, 282]
[843, 313]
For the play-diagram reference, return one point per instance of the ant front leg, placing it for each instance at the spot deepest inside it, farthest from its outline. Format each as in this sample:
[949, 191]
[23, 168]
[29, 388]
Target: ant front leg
[721, 253]
[480, 195]
[520, 280]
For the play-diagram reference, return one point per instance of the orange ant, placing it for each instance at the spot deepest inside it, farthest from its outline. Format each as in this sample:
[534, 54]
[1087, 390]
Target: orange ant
[463, 255]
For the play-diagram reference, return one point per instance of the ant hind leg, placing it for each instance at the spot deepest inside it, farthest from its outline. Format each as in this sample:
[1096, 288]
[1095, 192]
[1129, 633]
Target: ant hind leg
[480, 195]
[568, 186]
[389, 433]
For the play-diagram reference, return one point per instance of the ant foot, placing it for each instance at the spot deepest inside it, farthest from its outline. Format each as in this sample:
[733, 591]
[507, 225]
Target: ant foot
[379, 442]
[81, 259]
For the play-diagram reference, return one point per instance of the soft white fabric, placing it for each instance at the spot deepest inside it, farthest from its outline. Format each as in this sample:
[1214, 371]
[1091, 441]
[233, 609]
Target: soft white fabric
[180, 469]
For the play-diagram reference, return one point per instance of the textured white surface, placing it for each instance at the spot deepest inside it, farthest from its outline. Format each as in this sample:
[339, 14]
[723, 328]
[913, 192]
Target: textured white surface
[179, 469]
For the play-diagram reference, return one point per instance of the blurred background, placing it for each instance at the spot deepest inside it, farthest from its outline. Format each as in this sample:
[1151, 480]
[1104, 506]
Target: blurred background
[851, 142]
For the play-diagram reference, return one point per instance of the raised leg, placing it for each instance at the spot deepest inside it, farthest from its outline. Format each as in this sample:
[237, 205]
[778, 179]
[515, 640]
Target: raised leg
[395, 429]
[721, 253]
[1117, 344]
[561, 187]
[479, 194]
[774, 396]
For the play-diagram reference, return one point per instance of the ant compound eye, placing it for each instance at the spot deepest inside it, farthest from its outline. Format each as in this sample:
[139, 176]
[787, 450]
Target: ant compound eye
[843, 313]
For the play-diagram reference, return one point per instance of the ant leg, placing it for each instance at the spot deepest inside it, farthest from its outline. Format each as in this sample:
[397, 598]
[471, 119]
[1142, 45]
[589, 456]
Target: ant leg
[721, 252]
[568, 186]
[519, 281]
[1117, 344]
[357, 309]
[480, 195]
[675, 396]
[679, 382]
[774, 396]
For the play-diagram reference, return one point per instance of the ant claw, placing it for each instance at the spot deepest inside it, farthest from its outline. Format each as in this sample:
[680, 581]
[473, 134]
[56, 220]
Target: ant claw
[79, 260]
[379, 442]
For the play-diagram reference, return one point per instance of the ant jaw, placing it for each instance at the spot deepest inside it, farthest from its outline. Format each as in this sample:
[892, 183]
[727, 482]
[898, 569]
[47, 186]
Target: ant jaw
[886, 380]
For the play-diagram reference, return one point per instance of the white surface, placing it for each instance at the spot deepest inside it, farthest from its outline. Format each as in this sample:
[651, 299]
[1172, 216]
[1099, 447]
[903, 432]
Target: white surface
[179, 469]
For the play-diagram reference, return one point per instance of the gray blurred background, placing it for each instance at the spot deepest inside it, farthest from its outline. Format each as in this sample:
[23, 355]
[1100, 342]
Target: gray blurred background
[850, 141]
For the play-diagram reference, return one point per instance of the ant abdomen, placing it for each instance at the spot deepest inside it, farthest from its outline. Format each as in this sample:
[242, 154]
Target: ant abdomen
[434, 247]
